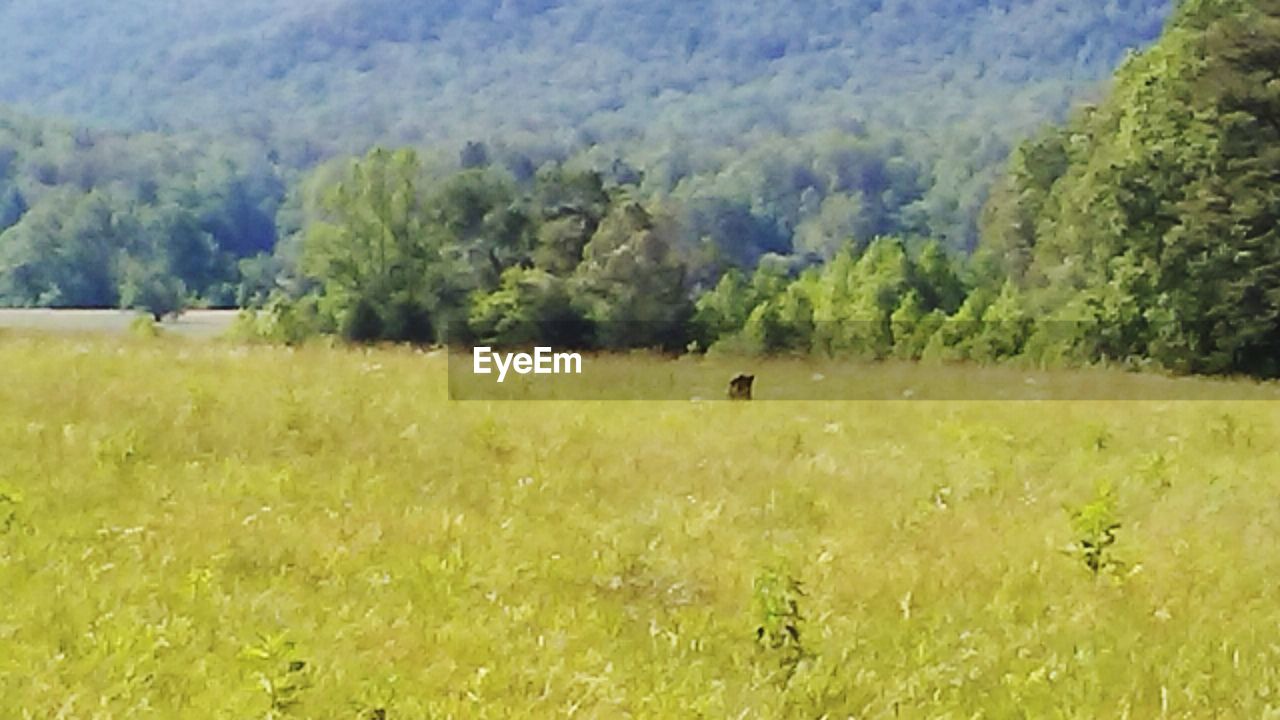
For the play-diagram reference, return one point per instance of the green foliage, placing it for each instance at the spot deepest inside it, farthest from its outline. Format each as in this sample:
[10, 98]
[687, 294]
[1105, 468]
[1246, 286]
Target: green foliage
[789, 173]
[283, 321]
[531, 306]
[884, 302]
[66, 252]
[658, 67]
[82, 211]
[1142, 232]
[769, 313]
[631, 283]
[384, 267]
[1147, 227]
[1003, 328]
[936, 279]
[784, 322]
[260, 276]
[473, 256]
[1094, 525]
[1012, 212]
[145, 326]
[724, 309]
[571, 206]
[152, 290]
[912, 327]
[369, 240]
[362, 321]
[776, 119]
[777, 597]
[279, 672]
[10, 503]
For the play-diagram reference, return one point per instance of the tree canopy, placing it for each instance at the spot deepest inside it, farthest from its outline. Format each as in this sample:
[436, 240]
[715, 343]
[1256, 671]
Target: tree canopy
[1147, 226]
[677, 90]
[759, 177]
[85, 213]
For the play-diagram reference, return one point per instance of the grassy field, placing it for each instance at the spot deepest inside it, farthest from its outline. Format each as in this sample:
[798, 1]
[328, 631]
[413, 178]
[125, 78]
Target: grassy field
[197, 530]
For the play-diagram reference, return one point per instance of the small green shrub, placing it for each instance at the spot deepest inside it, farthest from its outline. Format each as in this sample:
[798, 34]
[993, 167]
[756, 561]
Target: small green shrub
[10, 501]
[1155, 470]
[282, 676]
[283, 320]
[1094, 526]
[780, 620]
[145, 326]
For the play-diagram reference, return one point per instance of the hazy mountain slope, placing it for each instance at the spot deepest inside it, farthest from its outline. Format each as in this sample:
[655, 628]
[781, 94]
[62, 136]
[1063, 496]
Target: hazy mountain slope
[339, 73]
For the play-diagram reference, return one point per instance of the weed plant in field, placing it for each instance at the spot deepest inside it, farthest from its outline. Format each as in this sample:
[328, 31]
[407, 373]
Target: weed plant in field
[1095, 526]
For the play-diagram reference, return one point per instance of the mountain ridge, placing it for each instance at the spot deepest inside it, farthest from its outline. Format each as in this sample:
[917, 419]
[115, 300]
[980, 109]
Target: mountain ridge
[348, 73]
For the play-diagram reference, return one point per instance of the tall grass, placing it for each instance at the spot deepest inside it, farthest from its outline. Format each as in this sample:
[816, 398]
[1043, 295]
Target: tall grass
[209, 531]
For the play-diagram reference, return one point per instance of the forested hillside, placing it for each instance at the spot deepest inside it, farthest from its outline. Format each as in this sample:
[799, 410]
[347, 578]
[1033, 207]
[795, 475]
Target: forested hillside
[1149, 226]
[100, 219]
[1142, 231]
[766, 177]
[676, 88]
[1145, 231]
[339, 73]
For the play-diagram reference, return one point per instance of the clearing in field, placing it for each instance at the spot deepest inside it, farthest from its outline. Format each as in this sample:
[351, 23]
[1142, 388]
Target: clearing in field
[196, 324]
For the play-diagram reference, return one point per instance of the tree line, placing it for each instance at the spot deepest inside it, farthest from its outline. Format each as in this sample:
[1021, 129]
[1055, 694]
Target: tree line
[101, 219]
[1142, 231]
[1150, 224]
[766, 128]
[561, 258]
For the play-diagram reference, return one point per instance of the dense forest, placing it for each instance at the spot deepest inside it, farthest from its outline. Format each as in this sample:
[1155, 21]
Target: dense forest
[101, 219]
[1142, 231]
[677, 91]
[791, 179]
[1150, 224]
[333, 76]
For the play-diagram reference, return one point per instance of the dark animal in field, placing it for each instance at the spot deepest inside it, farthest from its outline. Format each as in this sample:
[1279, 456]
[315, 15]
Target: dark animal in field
[740, 387]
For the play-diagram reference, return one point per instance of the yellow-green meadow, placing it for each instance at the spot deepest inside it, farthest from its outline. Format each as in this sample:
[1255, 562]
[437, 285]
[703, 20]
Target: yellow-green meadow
[206, 530]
